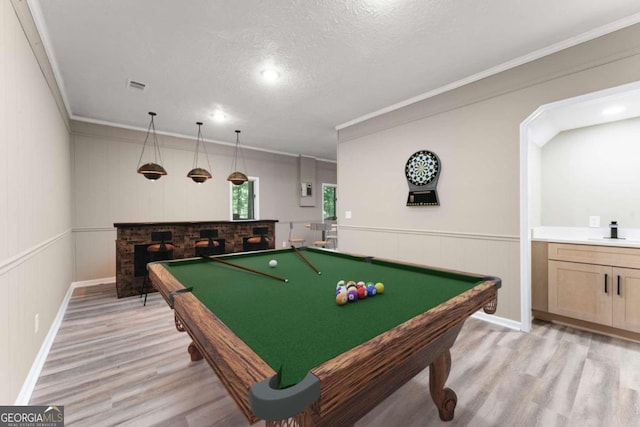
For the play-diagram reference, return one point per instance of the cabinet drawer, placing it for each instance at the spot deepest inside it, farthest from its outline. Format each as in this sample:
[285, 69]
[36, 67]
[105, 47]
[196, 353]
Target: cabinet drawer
[590, 254]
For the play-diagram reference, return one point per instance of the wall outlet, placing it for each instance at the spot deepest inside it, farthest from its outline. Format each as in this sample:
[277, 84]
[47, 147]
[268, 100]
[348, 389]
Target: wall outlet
[36, 323]
[594, 221]
[284, 244]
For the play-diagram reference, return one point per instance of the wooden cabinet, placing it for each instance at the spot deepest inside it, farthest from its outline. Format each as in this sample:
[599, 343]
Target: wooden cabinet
[581, 291]
[626, 299]
[539, 276]
[595, 284]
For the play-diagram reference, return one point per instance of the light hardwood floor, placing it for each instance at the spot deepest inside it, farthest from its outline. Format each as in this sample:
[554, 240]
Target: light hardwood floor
[115, 362]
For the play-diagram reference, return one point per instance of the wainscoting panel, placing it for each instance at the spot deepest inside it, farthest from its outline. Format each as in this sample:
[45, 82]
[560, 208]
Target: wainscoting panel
[95, 252]
[474, 253]
[33, 284]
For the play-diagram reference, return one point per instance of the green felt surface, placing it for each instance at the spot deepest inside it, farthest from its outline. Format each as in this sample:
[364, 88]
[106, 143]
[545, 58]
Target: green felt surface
[296, 326]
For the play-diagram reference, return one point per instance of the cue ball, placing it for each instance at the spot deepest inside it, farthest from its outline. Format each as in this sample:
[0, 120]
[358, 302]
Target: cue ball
[273, 263]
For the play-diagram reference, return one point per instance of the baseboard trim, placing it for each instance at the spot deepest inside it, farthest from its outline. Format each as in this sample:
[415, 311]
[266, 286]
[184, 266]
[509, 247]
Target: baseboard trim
[93, 282]
[500, 321]
[36, 368]
[34, 373]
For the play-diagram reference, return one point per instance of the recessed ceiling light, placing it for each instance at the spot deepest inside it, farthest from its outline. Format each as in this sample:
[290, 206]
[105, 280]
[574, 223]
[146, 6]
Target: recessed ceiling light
[269, 74]
[616, 109]
[218, 116]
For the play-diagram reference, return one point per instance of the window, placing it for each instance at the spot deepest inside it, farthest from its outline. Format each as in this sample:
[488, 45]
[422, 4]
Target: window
[328, 202]
[244, 200]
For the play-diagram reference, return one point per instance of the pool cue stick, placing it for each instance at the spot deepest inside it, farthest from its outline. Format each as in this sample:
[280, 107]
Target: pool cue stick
[301, 255]
[242, 267]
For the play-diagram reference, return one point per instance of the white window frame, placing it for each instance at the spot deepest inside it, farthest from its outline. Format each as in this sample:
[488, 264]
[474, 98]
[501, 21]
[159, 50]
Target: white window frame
[256, 199]
[324, 185]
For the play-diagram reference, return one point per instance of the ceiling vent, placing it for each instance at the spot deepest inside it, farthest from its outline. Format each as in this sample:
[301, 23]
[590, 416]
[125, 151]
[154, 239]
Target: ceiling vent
[132, 84]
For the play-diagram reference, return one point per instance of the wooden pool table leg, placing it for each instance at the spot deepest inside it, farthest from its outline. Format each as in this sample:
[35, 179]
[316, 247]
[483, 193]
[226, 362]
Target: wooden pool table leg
[306, 418]
[192, 349]
[194, 352]
[491, 307]
[444, 398]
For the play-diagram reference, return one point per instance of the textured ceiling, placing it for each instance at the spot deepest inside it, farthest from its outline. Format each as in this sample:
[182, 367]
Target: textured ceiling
[337, 60]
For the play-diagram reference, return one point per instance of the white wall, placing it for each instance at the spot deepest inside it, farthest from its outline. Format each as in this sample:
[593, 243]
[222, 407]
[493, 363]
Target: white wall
[35, 205]
[534, 156]
[592, 171]
[108, 190]
[475, 132]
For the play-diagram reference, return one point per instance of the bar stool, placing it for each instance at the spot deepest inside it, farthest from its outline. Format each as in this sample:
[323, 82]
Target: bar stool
[207, 246]
[332, 237]
[258, 241]
[162, 250]
[295, 241]
[323, 228]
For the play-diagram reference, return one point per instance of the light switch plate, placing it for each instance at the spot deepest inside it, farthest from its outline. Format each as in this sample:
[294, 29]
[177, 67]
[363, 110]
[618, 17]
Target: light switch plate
[594, 221]
[347, 214]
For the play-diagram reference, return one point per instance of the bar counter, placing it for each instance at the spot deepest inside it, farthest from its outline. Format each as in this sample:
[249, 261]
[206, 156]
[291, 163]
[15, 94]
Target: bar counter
[133, 238]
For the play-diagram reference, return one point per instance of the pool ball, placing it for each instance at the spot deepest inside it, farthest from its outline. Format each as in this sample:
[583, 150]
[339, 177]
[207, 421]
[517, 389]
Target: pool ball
[341, 289]
[380, 287]
[352, 295]
[362, 292]
[273, 263]
[371, 290]
[360, 283]
[340, 283]
[341, 298]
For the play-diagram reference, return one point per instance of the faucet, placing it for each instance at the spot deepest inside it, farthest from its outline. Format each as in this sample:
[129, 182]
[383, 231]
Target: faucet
[614, 229]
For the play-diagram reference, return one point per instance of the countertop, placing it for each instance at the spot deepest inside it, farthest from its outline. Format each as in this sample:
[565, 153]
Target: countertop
[586, 236]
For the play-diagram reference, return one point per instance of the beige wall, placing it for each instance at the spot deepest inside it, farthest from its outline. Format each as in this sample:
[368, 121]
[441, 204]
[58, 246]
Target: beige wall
[475, 132]
[108, 190]
[35, 206]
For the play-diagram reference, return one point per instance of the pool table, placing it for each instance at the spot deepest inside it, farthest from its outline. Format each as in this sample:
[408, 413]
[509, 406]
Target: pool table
[289, 354]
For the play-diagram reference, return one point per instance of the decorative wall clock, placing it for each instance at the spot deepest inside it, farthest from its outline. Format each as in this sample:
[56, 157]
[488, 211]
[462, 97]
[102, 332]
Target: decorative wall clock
[422, 171]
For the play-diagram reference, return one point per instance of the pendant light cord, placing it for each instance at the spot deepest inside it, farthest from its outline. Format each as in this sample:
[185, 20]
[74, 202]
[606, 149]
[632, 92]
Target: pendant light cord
[204, 148]
[150, 129]
[235, 154]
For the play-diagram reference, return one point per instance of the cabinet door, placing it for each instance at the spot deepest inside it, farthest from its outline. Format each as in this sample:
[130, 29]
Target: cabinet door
[581, 291]
[626, 299]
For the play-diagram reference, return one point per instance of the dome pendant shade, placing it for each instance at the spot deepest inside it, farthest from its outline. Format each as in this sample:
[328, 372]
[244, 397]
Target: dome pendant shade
[152, 171]
[237, 177]
[198, 174]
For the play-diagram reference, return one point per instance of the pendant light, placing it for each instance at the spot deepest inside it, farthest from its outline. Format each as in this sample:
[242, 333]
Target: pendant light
[198, 174]
[237, 177]
[152, 170]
